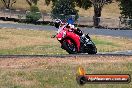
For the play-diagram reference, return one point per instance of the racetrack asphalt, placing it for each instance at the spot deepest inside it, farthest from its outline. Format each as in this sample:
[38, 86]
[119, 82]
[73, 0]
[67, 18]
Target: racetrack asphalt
[91, 31]
[61, 56]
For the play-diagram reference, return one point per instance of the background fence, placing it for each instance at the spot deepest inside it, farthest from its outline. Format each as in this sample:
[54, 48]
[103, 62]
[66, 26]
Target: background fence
[82, 20]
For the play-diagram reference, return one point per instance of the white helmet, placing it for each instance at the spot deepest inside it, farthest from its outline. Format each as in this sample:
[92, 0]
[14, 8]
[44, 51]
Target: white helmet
[57, 23]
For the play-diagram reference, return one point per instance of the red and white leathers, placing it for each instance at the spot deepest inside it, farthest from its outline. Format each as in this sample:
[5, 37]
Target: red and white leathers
[61, 27]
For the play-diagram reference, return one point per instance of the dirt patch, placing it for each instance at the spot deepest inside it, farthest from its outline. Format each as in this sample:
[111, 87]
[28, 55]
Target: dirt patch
[14, 63]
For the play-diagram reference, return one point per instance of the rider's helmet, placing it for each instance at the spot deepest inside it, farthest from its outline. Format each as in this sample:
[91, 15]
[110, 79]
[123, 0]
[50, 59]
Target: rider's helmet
[57, 23]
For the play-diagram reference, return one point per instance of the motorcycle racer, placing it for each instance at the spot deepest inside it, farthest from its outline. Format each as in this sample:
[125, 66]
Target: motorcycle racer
[70, 27]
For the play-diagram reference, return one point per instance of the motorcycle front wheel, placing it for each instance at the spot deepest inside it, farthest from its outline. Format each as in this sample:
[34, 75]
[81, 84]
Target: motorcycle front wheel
[69, 47]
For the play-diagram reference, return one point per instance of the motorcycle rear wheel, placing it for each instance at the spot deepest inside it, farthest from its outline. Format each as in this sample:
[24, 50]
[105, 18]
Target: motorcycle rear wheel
[93, 50]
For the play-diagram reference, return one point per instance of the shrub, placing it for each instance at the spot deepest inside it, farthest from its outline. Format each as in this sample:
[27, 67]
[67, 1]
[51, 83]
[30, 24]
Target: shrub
[63, 9]
[34, 14]
[126, 10]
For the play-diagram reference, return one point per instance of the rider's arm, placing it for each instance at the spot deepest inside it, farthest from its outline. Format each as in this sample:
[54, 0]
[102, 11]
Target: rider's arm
[59, 29]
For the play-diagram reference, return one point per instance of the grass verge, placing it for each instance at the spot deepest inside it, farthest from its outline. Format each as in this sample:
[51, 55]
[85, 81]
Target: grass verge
[60, 72]
[14, 41]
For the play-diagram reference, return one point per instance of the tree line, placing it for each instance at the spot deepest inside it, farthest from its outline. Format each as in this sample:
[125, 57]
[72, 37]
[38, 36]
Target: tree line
[67, 7]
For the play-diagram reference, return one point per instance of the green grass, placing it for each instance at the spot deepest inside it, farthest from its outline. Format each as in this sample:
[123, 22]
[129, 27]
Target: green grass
[111, 44]
[103, 42]
[61, 74]
[32, 50]
[106, 45]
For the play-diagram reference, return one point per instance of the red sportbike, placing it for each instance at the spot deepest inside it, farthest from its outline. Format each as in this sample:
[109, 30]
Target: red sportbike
[73, 43]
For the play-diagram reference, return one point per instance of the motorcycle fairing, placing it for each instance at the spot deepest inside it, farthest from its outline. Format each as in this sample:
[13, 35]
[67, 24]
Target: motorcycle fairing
[75, 38]
[66, 35]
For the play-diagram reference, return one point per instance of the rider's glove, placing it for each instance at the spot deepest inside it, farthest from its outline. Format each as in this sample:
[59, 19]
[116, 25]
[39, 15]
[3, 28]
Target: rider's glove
[53, 36]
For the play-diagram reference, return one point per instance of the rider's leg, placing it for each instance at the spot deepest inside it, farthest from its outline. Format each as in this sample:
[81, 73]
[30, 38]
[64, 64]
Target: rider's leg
[84, 37]
[78, 32]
